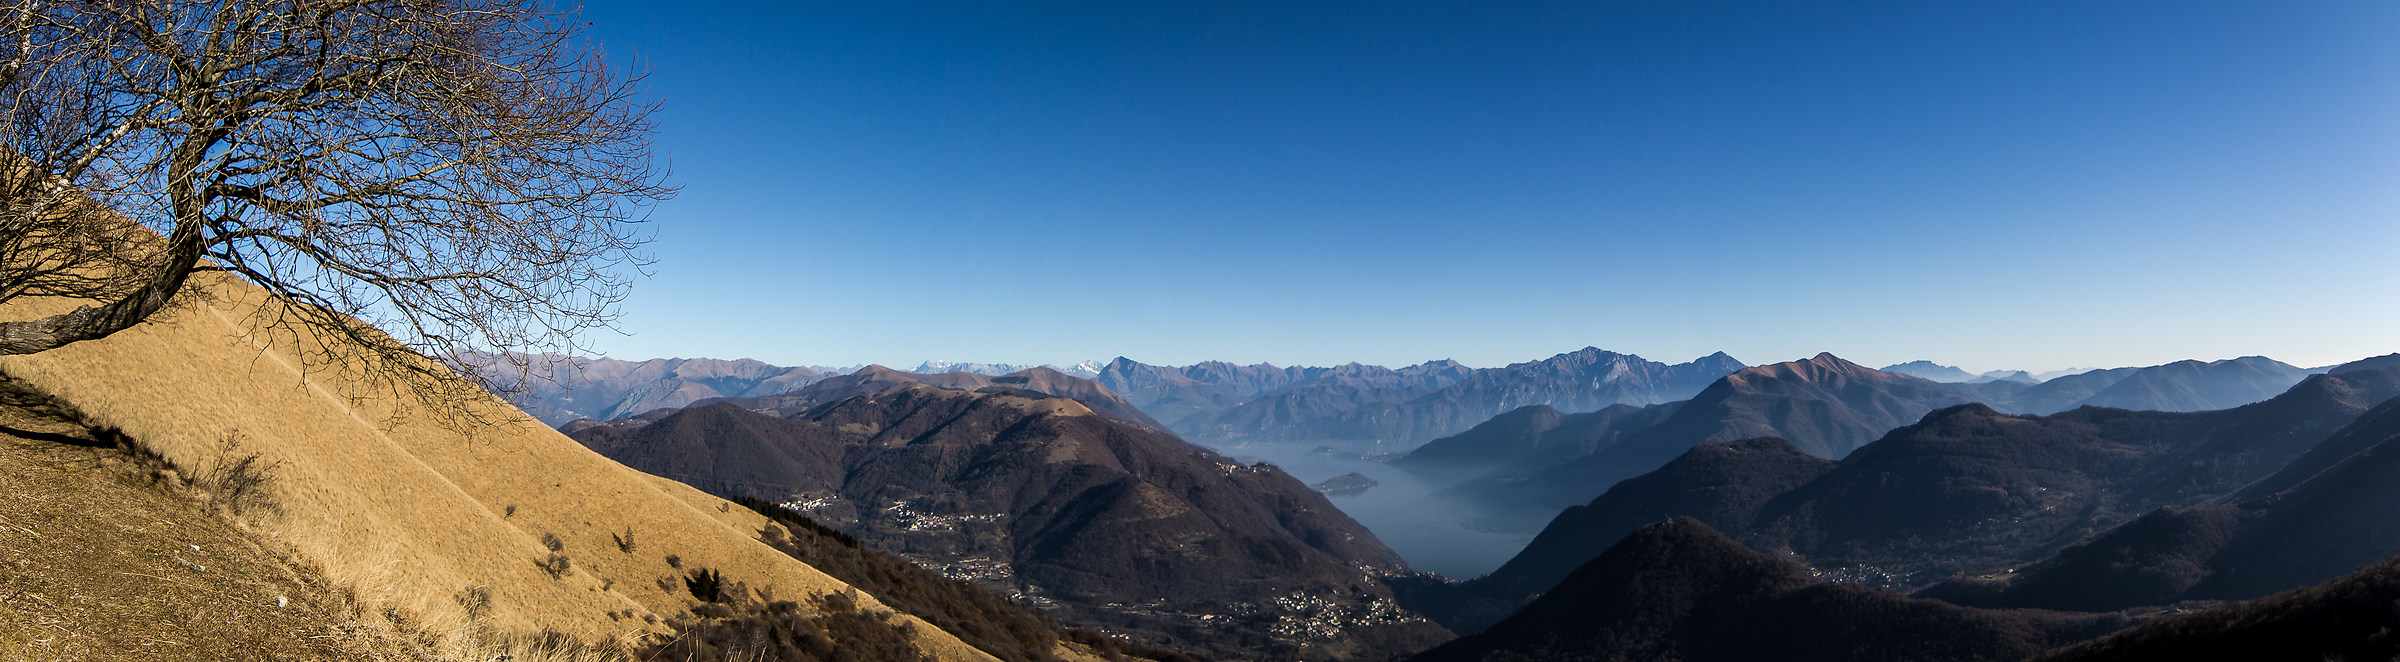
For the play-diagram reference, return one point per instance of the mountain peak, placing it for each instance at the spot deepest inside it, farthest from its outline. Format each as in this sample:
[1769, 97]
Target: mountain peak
[1968, 411]
[1822, 367]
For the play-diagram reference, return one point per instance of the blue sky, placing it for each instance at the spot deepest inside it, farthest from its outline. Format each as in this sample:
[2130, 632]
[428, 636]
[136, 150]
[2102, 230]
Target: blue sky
[1992, 185]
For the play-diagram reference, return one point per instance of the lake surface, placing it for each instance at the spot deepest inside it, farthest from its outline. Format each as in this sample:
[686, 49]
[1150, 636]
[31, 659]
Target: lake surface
[1434, 533]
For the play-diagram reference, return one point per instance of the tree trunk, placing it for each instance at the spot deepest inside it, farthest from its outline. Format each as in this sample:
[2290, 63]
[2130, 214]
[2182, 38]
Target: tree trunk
[92, 322]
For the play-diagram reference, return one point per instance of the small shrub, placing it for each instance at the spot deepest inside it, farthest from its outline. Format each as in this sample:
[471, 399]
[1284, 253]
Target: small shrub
[624, 542]
[551, 541]
[476, 600]
[510, 511]
[706, 584]
[238, 481]
[675, 562]
[557, 565]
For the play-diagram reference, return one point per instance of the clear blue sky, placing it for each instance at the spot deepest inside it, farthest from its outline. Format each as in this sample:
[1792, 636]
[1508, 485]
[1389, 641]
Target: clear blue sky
[1993, 185]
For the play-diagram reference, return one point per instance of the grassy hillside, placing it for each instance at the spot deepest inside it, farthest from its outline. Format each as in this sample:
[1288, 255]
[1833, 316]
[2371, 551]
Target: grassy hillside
[503, 522]
[104, 555]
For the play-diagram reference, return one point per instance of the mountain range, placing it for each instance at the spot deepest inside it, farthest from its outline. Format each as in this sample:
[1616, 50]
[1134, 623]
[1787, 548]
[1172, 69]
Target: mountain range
[2316, 519]
[563, 389]
[1968, 488]
[2180, 386]
[2290, 493]
[872, 379]
[1102, 521]
[1952, 374]
[1085, 370]
[1824, 405]
[1224, 403]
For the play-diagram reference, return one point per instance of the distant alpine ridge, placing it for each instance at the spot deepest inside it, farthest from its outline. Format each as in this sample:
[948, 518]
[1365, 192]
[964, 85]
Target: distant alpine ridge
[1952, 374]
[1085, 370]
[565, 389]
[1219, 402]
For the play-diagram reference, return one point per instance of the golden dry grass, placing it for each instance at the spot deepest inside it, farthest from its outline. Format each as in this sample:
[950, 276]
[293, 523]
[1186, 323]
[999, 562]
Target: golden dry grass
[411, 514]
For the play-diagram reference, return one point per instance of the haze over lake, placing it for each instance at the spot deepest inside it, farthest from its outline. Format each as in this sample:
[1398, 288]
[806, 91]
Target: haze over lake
[1435, 533]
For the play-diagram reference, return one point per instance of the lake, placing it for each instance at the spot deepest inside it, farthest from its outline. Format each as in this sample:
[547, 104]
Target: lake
[1432, 532]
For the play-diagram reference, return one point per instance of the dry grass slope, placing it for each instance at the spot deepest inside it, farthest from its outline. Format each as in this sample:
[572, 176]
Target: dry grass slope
[436, 524]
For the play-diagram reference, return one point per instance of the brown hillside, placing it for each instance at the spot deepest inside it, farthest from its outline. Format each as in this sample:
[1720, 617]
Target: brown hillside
[408, 512]
[102, 557]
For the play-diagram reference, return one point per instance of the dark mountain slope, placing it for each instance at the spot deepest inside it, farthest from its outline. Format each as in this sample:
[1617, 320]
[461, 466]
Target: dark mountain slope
[2343, 517]
[2275, 443]
[1507, 447]
[2350, 618]
[1722, 485]
[1111, 523]
[722, 448]
[1511, 436]
[1680, 591]
[1967, 485]
[1970, 488]
[994, 624]
[2152, 560]
[1964, 489]
[2327, 524]
[1824, 405]
[2370, 386]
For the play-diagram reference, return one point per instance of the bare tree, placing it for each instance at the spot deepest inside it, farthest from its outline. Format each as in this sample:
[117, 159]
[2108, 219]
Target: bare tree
[459, 179]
